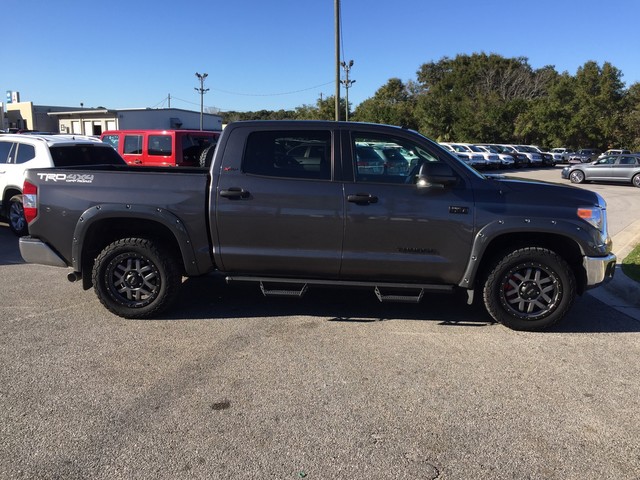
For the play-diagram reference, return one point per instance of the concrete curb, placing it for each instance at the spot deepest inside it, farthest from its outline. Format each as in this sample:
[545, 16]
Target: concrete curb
[622, 293]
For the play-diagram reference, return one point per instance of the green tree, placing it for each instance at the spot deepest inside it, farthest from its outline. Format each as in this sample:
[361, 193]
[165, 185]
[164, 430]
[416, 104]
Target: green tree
[597, 119]
[393, 104]
[324, 109]
[631, 121]
[477, 97]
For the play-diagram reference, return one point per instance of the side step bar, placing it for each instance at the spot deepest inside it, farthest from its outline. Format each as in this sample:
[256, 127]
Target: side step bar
[384, 291]
[397, 297]
[281, 292]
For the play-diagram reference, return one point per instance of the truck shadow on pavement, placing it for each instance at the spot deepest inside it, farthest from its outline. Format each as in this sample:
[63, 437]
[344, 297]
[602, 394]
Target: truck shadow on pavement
[209, 297]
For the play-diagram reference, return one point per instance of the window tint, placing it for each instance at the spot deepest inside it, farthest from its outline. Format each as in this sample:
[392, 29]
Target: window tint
[160, 145]
[384, 159]
[25, 153]
[5, 148]
[112, 140]
[628, 161]
[69, 155]
[303, 154]
[133, 144]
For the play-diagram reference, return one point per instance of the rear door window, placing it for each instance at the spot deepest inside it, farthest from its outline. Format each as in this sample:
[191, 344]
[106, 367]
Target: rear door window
[290, 154]
[25, 153]
[5, 148]
[160, 145]
[133, 144]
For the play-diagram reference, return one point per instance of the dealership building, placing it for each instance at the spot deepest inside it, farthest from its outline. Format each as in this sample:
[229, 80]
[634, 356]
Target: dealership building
[18, 115]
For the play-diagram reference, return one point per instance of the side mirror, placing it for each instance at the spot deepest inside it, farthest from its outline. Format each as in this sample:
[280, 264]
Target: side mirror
[436, 175]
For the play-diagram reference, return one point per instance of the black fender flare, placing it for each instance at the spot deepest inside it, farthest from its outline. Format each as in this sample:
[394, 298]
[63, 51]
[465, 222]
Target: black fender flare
[571, 230]
[157, 215]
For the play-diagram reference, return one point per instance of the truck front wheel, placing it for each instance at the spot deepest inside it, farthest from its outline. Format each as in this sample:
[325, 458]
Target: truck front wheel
[529, 289]
[136, 278]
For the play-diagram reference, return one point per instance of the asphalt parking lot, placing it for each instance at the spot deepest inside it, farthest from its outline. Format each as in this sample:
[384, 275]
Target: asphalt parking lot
[334, 385]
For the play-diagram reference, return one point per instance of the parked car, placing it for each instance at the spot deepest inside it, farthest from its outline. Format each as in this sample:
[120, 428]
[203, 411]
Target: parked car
[615, 151]
[506, 160]
[492, 159]
[612, 168]
[475, 159]
[520, 159]
[547, 157]
[585, 155]
[19, 152]
[171, 148]
[368, 161]
[465, 157]
[561, 154]
[534, 159]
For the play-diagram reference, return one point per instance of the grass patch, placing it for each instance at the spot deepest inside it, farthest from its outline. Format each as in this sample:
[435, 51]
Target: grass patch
[631, 264]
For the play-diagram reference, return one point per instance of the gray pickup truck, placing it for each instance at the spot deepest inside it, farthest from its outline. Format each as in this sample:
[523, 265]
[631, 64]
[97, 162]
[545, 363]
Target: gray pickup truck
[294, 204]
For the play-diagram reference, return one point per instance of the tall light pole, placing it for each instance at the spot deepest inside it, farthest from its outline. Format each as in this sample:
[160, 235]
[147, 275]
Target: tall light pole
[202, 91]
[347, 85]
[336, 5]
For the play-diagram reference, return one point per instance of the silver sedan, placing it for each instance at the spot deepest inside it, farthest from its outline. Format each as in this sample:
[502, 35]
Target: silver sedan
[612, 168]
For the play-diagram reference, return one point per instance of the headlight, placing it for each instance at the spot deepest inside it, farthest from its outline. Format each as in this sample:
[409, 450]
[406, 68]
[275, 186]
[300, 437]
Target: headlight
[592, 215]
[595, 215]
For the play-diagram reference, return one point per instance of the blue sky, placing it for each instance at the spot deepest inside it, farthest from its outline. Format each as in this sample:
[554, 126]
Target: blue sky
[273, 54]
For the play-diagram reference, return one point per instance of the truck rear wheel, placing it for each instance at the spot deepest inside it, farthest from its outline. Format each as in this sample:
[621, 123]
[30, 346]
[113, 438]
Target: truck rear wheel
[135, 278]
[529, 289]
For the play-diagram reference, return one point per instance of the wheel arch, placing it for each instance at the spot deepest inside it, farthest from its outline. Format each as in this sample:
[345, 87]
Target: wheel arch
[7, 195]
[501, 245]
[102, 225]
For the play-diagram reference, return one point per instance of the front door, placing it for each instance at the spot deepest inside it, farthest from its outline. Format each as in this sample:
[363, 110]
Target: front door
[397, 231]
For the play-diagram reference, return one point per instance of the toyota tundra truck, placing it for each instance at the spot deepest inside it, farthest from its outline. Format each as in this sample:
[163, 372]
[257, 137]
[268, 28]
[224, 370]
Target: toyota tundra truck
[289, 205]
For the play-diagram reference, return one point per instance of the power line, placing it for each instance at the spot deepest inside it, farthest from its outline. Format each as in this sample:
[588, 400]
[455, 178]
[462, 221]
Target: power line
[271, 94]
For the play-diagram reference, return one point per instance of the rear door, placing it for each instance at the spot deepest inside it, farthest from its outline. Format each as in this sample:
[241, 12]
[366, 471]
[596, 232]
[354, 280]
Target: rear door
[132, 148]
[396, 231]
[277, 213]
[160, 150]
[624, 168]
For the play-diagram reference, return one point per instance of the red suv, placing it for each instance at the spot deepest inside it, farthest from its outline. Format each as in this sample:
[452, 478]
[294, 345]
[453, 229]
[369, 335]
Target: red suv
[162, 147]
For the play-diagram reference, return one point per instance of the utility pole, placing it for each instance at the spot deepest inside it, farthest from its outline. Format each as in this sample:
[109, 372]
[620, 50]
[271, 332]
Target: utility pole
[169, 97]
[347, 85]
[202, 91]
[337, 28]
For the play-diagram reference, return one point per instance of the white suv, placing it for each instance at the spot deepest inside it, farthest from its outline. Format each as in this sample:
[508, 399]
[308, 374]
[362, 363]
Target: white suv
[19, 152]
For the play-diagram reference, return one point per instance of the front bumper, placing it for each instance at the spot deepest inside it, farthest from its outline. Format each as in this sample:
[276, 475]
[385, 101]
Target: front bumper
[599, 270]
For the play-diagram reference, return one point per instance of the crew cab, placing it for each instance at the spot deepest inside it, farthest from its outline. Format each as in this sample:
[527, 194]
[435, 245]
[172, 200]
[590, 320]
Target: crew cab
[162, 147]
[259, 214]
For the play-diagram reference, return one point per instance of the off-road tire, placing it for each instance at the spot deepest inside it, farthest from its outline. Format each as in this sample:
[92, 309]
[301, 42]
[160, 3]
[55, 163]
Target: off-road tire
[136, 278]
[206, 156]
[529, 289]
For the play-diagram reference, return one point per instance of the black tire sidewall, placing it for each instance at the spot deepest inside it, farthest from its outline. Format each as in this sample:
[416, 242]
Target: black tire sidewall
[144, 249]
[21, 232]
[534, 256]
